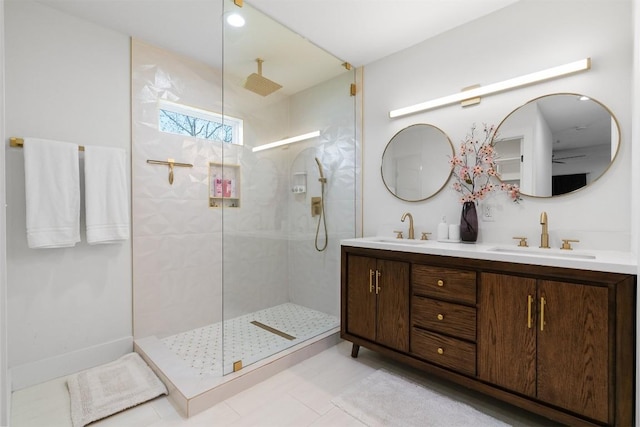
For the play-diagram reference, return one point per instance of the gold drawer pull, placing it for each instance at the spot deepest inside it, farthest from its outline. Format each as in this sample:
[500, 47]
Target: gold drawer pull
[440, 283]
[440, 317]
[542, 304]
[440, 350]
[529, 303]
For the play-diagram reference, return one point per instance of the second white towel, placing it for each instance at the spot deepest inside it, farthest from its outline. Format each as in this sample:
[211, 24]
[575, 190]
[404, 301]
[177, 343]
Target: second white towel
[106, 196]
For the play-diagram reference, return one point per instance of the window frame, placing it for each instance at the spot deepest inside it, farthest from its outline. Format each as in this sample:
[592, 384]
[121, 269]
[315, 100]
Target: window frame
[235, 123]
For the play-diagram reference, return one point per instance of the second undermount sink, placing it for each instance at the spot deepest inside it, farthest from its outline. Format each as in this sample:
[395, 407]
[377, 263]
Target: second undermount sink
[558, 253]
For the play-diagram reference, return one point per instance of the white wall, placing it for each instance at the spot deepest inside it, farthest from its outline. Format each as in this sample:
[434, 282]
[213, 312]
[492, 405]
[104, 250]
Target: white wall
[635, 174]
[525, 37]
[66, 79]
[4, 380]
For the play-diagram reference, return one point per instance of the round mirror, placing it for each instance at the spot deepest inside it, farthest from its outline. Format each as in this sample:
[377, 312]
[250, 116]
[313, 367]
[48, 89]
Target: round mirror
[556, 144]
[415, 163]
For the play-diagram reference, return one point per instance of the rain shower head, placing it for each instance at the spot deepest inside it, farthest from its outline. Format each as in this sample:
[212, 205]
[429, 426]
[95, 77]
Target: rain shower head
[261, 85]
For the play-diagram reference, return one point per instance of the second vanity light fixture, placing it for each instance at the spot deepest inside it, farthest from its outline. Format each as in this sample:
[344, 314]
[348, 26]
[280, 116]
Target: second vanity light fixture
[287, 141]
[538, 76]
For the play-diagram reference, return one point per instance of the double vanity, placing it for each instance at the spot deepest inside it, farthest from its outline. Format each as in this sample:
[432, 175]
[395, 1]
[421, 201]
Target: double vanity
[549, 330]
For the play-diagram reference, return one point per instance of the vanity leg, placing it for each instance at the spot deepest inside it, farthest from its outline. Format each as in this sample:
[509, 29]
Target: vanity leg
[354, 350]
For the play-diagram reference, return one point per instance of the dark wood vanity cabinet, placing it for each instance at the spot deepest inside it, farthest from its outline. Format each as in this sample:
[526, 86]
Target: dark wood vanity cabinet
[554, 341]
[377, 298]
[547, 340]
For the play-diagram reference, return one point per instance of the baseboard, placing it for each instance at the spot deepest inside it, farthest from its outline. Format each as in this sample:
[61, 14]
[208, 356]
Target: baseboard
[40, 371]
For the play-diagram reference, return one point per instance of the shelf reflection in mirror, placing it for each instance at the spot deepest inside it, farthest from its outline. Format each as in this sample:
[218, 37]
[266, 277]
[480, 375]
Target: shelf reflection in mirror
[415, 163]
[556, 144]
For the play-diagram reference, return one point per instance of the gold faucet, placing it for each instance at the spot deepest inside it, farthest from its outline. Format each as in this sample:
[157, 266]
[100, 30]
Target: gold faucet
[411, 231]
[544, 237]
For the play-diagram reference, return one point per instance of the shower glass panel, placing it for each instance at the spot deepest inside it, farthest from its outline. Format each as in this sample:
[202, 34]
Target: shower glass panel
[281, 220]
[237, 256]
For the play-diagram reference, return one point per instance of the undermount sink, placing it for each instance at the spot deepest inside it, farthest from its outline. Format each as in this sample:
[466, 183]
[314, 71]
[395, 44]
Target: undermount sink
[559, 253]
[400, 241]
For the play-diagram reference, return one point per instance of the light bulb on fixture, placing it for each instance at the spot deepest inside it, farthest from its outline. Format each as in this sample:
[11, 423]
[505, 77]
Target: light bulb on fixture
[235, 20]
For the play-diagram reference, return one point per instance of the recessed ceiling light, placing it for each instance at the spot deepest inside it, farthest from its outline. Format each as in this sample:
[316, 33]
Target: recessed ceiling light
[235, 20]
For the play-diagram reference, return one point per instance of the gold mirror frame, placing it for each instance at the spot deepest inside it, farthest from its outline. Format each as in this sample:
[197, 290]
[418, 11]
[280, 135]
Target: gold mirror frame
[614, 131]
[417, 144]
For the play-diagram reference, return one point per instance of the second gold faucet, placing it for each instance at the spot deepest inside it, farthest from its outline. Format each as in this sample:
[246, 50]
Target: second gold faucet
[544, 237]
[411, 230]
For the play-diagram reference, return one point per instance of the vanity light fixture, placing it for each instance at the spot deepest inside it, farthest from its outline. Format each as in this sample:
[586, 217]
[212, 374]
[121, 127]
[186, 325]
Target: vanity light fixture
[287, 141]
[527, 79]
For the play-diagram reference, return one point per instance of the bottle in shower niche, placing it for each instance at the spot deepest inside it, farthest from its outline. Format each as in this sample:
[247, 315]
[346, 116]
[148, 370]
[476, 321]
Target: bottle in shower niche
[226, 188]
[218, 188]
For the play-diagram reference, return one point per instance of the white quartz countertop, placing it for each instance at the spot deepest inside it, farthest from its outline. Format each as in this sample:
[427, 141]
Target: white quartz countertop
[608, 261]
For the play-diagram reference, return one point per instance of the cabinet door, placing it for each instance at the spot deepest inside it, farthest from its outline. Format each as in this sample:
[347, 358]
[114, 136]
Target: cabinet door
[573, 347]
[393, 305]
[506, 347]
[361, 297]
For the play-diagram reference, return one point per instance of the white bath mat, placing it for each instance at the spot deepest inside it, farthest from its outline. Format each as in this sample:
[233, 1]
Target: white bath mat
[105, 390]
[384, 399]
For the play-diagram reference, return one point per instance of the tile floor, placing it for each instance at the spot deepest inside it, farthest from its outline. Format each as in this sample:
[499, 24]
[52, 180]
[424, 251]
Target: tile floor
[299, 396]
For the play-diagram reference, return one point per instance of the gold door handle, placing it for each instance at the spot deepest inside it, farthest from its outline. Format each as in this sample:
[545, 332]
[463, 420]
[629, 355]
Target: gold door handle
[440, 283]
[440, 317]
[542, 304]
[370, 280]
[440, 350]
[529, 304]
[378, 274]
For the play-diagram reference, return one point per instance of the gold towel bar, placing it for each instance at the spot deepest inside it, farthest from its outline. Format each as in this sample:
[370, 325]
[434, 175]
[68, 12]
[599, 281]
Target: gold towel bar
[19, 143]
[171, 164]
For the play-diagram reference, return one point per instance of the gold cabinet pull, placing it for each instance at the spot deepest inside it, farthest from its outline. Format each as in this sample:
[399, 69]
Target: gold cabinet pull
[529, 304]
[440, 283]
[378, 274]
[542, 304]
[440, 317]
[440, 350]
[370, 280]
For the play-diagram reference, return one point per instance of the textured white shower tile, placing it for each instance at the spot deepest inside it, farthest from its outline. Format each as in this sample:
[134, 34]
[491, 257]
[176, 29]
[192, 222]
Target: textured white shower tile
[202, 348]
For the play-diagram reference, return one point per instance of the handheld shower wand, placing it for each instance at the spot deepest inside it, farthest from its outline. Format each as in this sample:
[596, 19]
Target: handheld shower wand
[323, 217]
[322, 179]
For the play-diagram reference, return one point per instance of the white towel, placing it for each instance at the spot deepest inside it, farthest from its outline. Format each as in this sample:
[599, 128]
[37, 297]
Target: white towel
[52, 187]
[106, 199]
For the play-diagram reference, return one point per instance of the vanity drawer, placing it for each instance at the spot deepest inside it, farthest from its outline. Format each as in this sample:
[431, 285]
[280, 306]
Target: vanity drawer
[444, 283]
[448, 352]
[451, 319]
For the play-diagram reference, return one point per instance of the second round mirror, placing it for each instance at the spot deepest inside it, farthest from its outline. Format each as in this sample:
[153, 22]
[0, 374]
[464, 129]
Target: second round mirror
[556, 144]
[415, 163]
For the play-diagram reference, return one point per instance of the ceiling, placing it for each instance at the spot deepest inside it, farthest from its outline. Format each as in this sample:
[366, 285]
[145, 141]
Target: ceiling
[356, 31]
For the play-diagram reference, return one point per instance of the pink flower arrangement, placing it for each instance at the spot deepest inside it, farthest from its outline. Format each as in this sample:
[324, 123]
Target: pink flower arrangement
[474, 168]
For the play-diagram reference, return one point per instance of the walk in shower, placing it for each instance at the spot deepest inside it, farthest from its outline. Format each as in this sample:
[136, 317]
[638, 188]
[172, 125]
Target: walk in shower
[236, 234]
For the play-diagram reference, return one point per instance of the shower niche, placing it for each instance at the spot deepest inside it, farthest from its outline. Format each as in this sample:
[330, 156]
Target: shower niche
[224, 185]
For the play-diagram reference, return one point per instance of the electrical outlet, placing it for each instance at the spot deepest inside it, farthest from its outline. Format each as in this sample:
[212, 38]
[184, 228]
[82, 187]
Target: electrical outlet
[487, 212]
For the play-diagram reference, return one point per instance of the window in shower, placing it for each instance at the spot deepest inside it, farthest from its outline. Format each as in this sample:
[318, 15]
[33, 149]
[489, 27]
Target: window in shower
[184, 120]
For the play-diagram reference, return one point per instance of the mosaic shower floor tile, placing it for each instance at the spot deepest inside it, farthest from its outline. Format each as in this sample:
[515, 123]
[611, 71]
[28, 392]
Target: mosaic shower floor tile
[245, 341]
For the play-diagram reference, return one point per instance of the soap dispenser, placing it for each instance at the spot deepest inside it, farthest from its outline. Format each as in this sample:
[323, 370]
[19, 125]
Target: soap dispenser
[443, 229]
